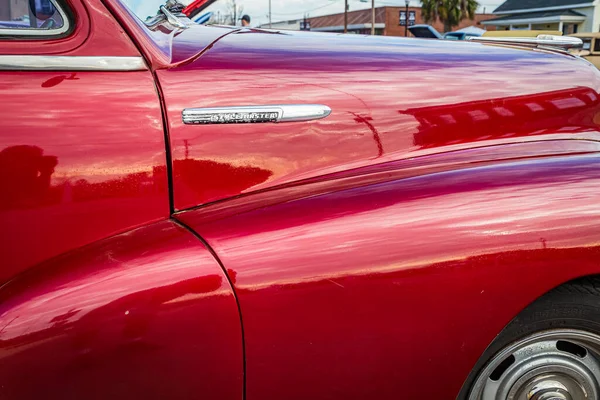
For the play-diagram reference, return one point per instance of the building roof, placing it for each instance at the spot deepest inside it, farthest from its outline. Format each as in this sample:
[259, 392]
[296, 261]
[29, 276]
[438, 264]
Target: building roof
[354, 18]
[519, 5]
[540, 14]
[586, 34]
[280, 23]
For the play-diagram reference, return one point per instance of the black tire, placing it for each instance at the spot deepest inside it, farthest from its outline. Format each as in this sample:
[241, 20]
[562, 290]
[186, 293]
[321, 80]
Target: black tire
[574, 305]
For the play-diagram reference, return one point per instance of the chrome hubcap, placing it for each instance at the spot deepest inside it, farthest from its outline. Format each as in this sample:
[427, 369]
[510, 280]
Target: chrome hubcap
[549, 387]
[550, 365]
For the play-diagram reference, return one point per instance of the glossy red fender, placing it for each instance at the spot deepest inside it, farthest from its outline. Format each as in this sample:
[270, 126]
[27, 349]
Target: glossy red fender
[148, 314]
[393, 280]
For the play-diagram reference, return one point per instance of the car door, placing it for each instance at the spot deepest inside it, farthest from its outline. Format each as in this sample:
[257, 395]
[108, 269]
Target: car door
[103, 296]
[82, 153]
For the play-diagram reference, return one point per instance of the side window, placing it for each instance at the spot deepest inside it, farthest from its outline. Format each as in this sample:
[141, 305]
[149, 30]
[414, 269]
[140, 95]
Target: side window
[596, 45]
[587, 44]
[32, 18]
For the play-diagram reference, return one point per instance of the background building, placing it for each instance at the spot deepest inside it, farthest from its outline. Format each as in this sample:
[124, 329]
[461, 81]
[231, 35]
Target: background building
[291, 25]
[11, 10]
[568, 16]
[387, 22]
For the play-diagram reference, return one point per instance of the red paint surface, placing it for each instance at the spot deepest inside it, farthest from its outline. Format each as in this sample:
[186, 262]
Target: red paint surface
[371, 250]
[82, 157]
[147, 314]
[371, 287]
[390, 98]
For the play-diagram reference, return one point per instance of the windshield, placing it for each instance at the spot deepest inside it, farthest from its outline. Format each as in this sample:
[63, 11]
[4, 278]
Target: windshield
[144, 9]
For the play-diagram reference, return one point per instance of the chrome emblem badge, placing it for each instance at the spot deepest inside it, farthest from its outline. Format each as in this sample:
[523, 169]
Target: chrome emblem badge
[255, 115]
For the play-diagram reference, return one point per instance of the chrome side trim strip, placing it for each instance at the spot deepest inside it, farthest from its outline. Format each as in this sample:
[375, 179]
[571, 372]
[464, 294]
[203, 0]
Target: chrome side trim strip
[71, 63]
[40, 31]
[549, 41]
[255, 114]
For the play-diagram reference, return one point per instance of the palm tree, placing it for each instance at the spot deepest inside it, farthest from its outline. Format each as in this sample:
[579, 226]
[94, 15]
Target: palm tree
[449, 12]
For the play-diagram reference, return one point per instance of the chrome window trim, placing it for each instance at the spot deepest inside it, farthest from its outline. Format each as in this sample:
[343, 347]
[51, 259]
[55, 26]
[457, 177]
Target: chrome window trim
[41, 32]
[71, 63]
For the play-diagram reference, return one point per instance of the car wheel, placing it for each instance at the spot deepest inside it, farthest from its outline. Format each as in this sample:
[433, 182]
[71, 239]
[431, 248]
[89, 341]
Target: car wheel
[550, 351]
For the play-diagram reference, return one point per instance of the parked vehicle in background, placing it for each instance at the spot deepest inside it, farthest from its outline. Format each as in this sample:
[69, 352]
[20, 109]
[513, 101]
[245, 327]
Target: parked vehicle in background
[425, 32]
[591, 47]
[464, 33]
[202, 18]
[459, 35]
[195, 7]
[429, 32]
[209, 212]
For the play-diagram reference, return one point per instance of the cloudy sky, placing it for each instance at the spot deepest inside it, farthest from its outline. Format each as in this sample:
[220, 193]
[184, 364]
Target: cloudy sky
[293, 9]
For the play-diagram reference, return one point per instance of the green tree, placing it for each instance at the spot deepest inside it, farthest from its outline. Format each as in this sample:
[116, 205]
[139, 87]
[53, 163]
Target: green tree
[449, 12]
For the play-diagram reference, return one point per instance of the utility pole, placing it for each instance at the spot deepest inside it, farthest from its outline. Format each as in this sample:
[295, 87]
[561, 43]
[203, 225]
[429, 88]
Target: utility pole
[372, 17]
[346, 17]
[269, 14]
[406, 26]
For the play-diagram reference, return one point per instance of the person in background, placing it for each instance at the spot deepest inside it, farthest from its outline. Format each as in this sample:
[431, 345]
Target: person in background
[44, 11]
[246, 20]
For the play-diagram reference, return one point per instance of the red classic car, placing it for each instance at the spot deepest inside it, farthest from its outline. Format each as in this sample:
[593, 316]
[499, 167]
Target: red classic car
[230, 213]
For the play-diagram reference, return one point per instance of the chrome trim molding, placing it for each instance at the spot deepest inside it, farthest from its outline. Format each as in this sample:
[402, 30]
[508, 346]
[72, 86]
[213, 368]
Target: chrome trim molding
[548, 41]
[172, 19]
[255, 114]
[172, 13]
[71, 63]
[38, 31]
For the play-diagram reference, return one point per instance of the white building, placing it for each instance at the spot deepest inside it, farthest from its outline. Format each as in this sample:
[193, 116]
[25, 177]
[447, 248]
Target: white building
[291, 25]
[568, 16]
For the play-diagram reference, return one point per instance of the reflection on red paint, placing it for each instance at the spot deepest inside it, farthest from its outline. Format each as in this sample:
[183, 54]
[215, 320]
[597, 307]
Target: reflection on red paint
[25, 174]
[370, 283]
[146, 314]
[219, 179]
[71, 171]
[562, 111]
[25, 180]
[57, 80]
